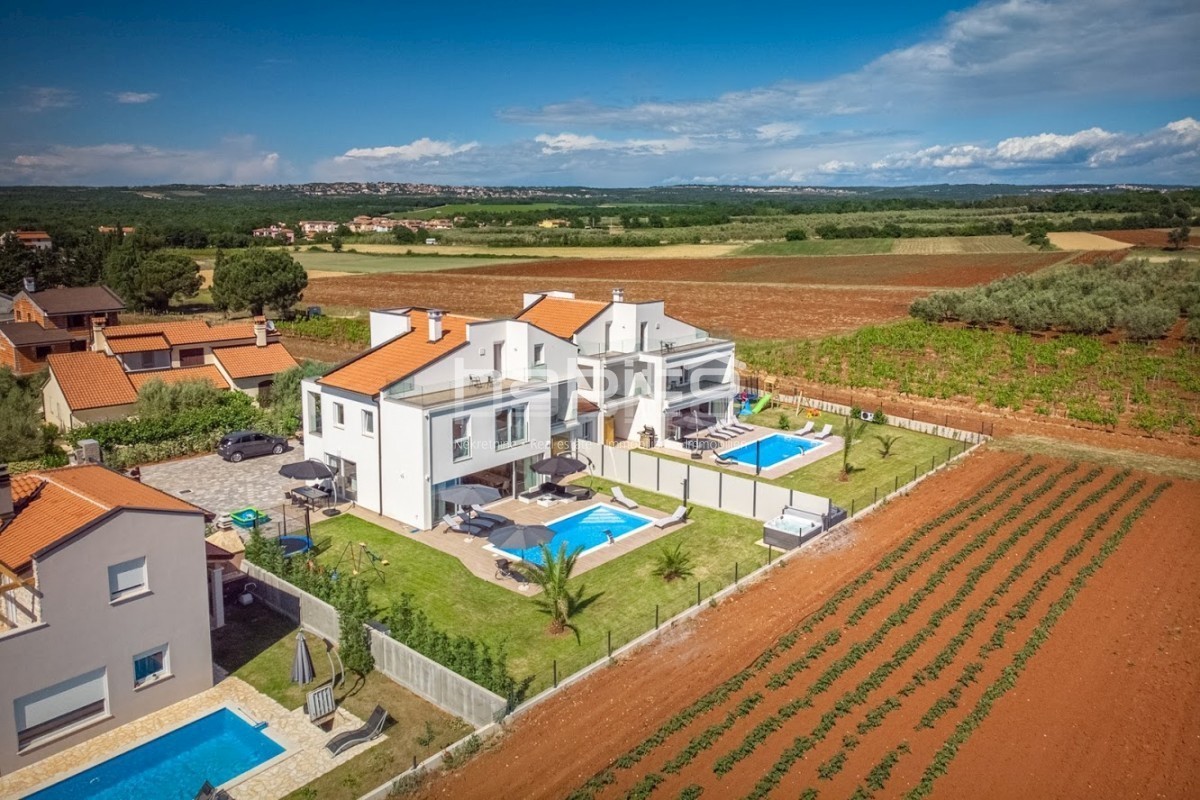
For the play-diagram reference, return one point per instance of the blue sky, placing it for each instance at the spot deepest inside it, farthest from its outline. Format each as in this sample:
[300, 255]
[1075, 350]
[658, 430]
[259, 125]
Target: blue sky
[643, 94]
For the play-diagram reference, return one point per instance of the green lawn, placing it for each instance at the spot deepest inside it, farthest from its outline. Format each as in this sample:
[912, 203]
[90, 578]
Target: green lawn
[818, 247]
[623, 592]
[257, 646]
[367, 262]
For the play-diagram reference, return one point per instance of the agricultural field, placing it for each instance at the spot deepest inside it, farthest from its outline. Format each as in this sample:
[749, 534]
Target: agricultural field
[951, 245]
[865, 270]
[665, 251]
[1085, 241]
[345, 263]
[905, 655]
[1149, 237]
[819, 247]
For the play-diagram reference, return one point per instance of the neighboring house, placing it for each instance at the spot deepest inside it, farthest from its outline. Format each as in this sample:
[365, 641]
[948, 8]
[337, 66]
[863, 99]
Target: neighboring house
[33, 240]
[437, 399]
[53, 321]
[103, 383]
[126, 230]
[555, 223]
[6, 303]
[639, 366]
[278, 231]
[311, 227]
[104, 607]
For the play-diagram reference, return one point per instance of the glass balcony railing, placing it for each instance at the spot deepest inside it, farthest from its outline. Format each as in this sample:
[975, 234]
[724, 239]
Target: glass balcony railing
[652, 344]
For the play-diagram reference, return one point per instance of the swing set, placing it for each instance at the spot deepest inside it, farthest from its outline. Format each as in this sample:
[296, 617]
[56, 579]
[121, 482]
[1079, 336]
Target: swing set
[362, 559]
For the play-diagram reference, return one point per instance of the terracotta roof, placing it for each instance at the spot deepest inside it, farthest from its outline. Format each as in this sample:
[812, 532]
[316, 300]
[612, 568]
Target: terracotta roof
[179, 375]
[32, 235]
[562, 316]
[91, 380]
[76, 300]
[136, 344]
[585, 406]
[26, 333]
[398, 358]
[185, 332]
[248, 360]
[53, 504]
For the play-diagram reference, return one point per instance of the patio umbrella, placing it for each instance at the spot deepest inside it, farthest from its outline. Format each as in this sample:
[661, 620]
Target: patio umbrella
[558, 466]
[308, 470]
[469, 494]
[519, 537]
[302, 666]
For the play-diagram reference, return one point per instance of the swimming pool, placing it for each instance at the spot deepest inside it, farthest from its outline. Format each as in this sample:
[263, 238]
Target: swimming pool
[772, 450]
[587, 529]
[216, 748]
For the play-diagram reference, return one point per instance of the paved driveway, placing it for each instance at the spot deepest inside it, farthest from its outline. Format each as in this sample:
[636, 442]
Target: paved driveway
[219, 486]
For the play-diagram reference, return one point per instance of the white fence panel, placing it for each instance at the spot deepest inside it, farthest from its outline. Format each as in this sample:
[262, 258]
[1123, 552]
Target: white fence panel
[813, 504]
[615, 464]
[705, 488]
[771, 500]
[671, 477]
[737, 496]
[643, 471]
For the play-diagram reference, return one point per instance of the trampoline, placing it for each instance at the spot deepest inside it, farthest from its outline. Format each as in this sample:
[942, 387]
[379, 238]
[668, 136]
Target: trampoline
[294, 544]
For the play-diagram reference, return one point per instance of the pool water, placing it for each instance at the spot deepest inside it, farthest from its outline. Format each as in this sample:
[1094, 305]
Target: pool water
[587, 529]
[216, 748]
[772, 450]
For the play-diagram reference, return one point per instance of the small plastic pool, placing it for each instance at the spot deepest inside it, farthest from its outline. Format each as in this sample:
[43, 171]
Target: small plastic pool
[772, 450]
[216, 748]
[249, 517]
[587, 529]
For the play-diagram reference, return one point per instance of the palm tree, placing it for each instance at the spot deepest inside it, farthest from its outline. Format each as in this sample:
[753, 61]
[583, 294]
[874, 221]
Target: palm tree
[850, 431]
[553, 576]
[672, 564]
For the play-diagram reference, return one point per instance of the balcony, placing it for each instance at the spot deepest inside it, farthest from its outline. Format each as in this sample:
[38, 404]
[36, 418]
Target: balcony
[653, 345]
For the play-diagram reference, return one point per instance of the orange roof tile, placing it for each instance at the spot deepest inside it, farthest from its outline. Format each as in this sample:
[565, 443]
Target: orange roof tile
[249, 361]
[585, 406]
[194, 331]
[561, 316]
[135, 344]
[91, 380]
[398, 358]
[53, 504]
[179, 375]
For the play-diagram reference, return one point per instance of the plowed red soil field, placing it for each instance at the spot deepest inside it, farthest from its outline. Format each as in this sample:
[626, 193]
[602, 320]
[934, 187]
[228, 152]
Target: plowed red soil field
[1038, 638]
[966, 269]
[1147, 237]
[751, 310]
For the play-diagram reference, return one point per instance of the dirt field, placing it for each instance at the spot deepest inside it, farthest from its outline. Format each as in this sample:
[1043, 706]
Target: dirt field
[1148, 237]
[663, 251]
[1085, 241]
[752, 310]
[947, 245]
[859, 663]
[865, 270]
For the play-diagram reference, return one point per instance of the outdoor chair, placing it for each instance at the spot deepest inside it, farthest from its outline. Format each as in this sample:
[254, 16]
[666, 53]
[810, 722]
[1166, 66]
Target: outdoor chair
[828, 429]
[504, 569]
[207, 792]
[723, 459]
[721, 433]
[618, 496]
[320, 705]
[468, 527]
[739, 427]
[368, 731]
[679, 515]
[807, 429]
[482, 516]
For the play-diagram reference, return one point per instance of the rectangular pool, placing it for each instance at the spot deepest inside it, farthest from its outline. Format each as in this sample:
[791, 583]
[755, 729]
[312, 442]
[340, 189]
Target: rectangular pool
[587, 529]
[216, 748]
[772, 450]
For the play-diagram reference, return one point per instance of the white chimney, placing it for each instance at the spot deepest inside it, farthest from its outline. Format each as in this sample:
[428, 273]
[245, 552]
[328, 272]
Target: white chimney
[435, 324]
[6, 500]
[99, 342]
[618, 295]
[260, 331]
[30, 284]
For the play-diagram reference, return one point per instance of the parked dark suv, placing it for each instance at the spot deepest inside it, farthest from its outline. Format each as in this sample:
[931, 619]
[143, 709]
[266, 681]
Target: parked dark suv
[245, 444]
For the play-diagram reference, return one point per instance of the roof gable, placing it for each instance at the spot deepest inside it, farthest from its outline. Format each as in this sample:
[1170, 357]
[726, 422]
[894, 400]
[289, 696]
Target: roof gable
[561, 316]
[250, 361]
[396, 359]
[76, 300]
[91, 380]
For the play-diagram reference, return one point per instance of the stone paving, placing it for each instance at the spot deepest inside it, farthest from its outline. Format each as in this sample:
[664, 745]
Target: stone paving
[220, 486]
[305, 759]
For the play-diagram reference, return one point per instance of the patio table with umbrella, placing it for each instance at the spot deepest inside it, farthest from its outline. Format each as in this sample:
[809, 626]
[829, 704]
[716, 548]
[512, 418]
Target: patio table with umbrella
[520, 537]
[469, 494]
[309, 469]
[558, 467]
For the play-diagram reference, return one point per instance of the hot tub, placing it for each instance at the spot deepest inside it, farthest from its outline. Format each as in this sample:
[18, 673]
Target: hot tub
[791, 528]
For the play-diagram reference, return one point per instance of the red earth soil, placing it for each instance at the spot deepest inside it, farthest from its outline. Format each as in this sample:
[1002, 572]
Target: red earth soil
[966, 269]
[557, 746]
[1148, 237]
[739, 310]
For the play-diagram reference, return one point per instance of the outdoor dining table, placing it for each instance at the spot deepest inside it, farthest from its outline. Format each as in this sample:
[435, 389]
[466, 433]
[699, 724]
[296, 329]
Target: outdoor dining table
[311, 495]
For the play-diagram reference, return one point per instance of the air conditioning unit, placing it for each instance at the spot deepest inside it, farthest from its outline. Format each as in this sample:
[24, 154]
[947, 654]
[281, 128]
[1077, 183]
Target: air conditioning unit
[89, 451]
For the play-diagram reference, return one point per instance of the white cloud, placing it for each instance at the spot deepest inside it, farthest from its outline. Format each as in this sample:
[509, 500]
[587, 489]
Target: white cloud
[44, 98]
[778, 131]
[135, 98]
[572, 142]
[421, 149]
[233, 160]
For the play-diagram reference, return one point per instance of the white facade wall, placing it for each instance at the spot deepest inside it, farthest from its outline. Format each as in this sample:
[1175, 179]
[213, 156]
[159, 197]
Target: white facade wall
[349, 441]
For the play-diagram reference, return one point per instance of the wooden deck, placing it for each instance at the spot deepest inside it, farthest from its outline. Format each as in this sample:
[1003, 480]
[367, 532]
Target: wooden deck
[476, 556]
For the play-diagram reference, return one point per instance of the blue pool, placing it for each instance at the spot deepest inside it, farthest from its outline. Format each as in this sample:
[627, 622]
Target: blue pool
[216, 748]
[587, 529]
[772, 450]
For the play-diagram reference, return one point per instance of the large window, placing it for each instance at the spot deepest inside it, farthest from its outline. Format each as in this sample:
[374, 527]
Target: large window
[314, 413]
[461, 435]
[126, 578]
[510, 427]
[368, 422]
[50, 710]
[150, 665]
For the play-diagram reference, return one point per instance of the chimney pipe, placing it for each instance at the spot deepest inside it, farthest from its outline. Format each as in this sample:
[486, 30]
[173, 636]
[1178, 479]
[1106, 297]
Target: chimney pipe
[618, 295]
[435, 324]
[260, 331]
[30, 284]
[99, 341]
[6, 497]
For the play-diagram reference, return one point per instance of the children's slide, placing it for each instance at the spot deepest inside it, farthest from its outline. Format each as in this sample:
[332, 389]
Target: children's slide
[761, 404]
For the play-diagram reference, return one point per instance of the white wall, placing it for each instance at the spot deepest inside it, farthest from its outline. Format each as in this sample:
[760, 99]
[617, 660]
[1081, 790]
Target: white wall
[349, 441]
[387, 324]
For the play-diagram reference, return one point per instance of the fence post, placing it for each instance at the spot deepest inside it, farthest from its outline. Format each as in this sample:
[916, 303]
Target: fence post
[896, 487]
[932, 463]
[697, 592]
[876, 500]
[735, 573]
[769, 553]
[610, 644]
[852, 508]
[914, 472]
[656, 616]
[556, 673]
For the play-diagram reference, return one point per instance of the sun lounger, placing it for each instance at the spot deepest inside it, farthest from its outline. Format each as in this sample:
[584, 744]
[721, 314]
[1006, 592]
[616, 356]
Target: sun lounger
[828, 429]
[320, 705]
[369, 730]
[487, 516]
[207, 792]
[469, 527]
[807, 429]
[721, 433]
[618, 496]
[739, 427]
[724, 459]
[680, 515]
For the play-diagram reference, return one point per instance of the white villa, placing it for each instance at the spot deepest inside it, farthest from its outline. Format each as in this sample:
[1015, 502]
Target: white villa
[441, 398]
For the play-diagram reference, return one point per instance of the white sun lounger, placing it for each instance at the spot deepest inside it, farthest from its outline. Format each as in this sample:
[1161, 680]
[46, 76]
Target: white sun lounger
[828, 429]
[618, 496]
[721, 433]
[680, 515]
[807, 429]
[739, 427]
